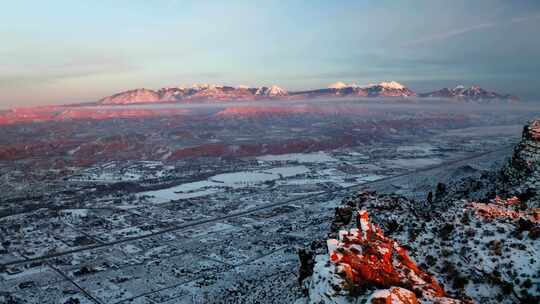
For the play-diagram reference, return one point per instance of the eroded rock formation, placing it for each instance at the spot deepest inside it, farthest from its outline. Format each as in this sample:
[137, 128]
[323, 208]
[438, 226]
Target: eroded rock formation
[363, 258]
[477, 240]
[526, 156]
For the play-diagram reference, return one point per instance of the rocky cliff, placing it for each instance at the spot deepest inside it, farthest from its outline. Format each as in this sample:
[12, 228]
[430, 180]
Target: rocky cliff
[214, 92]
[475, 240]
[526, 158]
[197, 92]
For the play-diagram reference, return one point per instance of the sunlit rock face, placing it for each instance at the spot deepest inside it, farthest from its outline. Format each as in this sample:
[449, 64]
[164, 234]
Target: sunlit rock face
[465, 251]
[512, 208]
[476, 241]
[362, 259]
[133, 96]
[365, 256]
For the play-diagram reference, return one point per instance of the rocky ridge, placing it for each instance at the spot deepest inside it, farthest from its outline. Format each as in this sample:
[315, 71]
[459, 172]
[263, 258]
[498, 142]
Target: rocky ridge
[474, 93]
[475, 240]
[197, 92]
[213, 92]
[383, 89]
[526, 158]
[364, 257]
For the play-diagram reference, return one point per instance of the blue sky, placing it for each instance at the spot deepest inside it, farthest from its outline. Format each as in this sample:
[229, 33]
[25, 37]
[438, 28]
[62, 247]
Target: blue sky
[72, 51]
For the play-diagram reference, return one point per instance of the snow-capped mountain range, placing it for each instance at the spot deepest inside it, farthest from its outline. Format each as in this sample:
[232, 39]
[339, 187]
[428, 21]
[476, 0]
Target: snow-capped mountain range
[197, 92]
[213, 92]
[474, 93]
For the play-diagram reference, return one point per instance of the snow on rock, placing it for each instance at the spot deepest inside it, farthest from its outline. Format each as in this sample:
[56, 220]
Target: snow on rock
[474, 93]
[526, 156]
[389, 89]
[364, 258]
[392, 85]
[510, 208]
[271, 91]
[338, 85]
[197, 92]
[479, 237]
[394, 295]
[132, 96]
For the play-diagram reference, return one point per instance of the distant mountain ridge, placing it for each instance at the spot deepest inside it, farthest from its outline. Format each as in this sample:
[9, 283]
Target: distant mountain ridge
[197, 92]
[474, 93]
[383, 89]
[212, 92]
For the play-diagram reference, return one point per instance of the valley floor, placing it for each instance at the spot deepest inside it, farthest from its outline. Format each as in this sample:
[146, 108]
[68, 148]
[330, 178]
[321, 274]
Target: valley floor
[248, 256]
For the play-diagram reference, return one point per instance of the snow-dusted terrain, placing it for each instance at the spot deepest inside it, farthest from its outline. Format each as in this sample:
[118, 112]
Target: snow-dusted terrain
[210, 208]
[479, 237]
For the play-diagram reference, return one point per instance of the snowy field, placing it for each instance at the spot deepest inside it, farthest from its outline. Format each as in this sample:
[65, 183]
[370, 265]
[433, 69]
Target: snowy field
[318, 157]
[218, 183]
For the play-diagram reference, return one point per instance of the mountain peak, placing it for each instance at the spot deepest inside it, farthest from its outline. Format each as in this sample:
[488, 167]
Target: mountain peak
[271, 91]
[473, 93]
[141, 95]
[205, 86]
[392, 85]
[338, 85]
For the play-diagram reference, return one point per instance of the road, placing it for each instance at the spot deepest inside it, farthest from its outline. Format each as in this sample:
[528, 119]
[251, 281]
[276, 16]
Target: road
[343, 190]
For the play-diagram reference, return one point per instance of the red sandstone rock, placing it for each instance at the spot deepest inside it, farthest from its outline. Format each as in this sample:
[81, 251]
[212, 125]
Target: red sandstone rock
[504, 208]
[364, 256]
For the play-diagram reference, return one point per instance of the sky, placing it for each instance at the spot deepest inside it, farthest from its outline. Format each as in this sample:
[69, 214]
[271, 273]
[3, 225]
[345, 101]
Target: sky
[68, 51]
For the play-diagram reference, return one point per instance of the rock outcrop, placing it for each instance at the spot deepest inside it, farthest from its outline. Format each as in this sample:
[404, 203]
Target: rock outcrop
[477, 240]
[526, 156]
[363, 258]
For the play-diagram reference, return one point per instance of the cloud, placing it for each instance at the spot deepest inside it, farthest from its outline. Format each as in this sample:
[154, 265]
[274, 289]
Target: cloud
[465, 30]
[37, 73]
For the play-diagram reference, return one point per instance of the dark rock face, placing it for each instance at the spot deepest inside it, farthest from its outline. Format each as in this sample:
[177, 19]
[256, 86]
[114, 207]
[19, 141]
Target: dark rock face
[306, 258]
[526, 156]
[342, 218]
[521, 177]
[307, 261]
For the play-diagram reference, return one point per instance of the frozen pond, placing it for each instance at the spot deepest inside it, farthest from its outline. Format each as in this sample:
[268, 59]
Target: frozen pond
[215, 183]
[318, 157]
